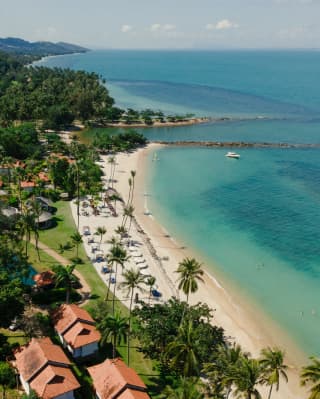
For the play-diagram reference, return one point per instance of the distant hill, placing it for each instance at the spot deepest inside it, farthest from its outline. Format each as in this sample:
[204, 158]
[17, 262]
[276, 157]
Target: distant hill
[19, 46]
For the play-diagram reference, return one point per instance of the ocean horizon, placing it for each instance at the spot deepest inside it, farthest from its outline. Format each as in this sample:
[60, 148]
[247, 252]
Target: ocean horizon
[257, 218]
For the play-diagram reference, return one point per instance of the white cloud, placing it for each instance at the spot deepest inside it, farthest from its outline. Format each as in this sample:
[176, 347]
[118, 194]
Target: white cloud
[168, 27]
[126, 28]
[155, 27]
[221, 25]
[163, 28]
[226, 24]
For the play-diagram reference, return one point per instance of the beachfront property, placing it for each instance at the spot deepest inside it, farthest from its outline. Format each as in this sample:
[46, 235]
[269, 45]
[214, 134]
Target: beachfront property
[76, 330]
[44, 368]
[114, 379]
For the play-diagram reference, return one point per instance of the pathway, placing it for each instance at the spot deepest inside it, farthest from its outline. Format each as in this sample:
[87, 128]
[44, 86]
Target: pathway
[85, 289]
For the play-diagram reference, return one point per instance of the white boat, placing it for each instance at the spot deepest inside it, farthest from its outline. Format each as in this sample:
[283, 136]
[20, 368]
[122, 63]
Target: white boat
[155, 157]
[232, 155]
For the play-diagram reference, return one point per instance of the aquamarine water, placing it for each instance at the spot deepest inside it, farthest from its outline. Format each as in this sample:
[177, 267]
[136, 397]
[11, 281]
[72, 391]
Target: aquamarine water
[257, 218]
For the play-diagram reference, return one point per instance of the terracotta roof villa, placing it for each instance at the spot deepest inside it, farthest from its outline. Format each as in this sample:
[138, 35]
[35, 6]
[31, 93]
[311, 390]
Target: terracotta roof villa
[45, 368]
[113, 379]
[76, 330]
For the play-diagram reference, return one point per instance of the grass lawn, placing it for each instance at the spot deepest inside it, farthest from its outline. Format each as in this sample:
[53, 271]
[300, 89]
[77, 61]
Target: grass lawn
[61, 234]
[14, 336]
[45, 262]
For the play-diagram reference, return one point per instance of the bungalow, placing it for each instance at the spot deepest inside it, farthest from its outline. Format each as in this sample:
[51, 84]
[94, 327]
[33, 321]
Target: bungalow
[43, 367]
[44, 280]
[113, 379]
[28, 185]
[76, 330]
[45, 204]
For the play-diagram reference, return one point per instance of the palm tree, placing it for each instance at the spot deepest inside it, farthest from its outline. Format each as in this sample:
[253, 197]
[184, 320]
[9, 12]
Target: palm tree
[122, 231]
[36, 209]
[182, 352]
[127, 213]
[114, 241]
[115, 197]
[311, 374]
[246, 375]
[186, 389]
[150, 282]
[77, 240]
[133, 175]
[273, 367]
[218, 371]
[190, 271]
[101, 231]
[114, 327]
[132, 281]
[119, 256]
[113, 163]
[27, 221]
[64, 277]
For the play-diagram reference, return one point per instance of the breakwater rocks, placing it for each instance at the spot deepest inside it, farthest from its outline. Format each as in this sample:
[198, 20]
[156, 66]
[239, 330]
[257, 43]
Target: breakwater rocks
[236, 144]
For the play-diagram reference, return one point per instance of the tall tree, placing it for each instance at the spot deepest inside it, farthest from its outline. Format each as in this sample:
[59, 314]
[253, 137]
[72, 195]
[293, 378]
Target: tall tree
[64, 277]
[247, 375]
[114, 327]
[76, 240]
[186, 388]
[310, 374]
[7, 377]
[219, 371]
[133, 280]
[150, 282]
[101, 231]
[272, 361]
[190, 272]
[182, 352]
[118, 256]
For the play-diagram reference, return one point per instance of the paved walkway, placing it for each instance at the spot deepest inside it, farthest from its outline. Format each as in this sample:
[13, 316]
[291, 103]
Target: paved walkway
[85, 289]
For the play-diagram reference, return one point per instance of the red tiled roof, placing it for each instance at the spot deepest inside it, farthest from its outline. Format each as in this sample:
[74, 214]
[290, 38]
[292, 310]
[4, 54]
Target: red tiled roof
[66, 315]
[46, 368]
[82, 334]
[133, 394]
[54, 381]
[26, 184]
[43, 176]
[45, 278]
[113, 376]
[32, 357]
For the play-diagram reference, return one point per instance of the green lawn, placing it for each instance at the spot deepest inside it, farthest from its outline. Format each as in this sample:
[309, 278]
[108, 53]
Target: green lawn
[61, 234]
[45, 263]
[14, 336]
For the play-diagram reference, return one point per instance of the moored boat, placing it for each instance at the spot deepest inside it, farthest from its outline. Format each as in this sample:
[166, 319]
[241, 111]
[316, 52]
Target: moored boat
[232, 155]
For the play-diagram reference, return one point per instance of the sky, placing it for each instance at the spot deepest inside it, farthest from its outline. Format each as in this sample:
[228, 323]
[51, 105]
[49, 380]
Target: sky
[165, 24]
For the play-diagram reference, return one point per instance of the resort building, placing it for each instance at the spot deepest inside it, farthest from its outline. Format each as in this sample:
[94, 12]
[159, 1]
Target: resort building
[113, 379]
[76, 330]
[43, 367]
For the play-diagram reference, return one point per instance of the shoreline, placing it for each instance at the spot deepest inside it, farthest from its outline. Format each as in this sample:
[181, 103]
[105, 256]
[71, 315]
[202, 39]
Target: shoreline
[241, 319]
[234, 311]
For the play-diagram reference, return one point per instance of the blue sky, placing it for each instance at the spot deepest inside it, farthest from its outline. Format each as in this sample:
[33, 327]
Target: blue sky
[196, 24]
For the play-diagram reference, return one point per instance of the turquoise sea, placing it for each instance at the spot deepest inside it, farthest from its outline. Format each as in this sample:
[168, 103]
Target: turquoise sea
[258, 218]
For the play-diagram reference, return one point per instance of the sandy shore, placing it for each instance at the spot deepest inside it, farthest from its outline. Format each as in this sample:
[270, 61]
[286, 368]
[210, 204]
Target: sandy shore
[240, 319]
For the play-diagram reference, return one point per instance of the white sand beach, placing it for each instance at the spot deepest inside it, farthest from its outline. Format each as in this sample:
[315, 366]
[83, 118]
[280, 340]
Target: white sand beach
[240, 319]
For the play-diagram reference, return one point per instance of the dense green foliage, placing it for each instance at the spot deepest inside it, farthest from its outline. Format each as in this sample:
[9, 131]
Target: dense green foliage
[124, 141]
[55, 96]
[20, 142]
[158, 326]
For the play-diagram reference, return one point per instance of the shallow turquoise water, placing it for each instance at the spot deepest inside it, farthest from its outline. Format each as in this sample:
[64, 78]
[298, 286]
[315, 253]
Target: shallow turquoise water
[257, 218]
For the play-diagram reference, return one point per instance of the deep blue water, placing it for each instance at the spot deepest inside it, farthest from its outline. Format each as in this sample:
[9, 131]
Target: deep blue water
[257, 218]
